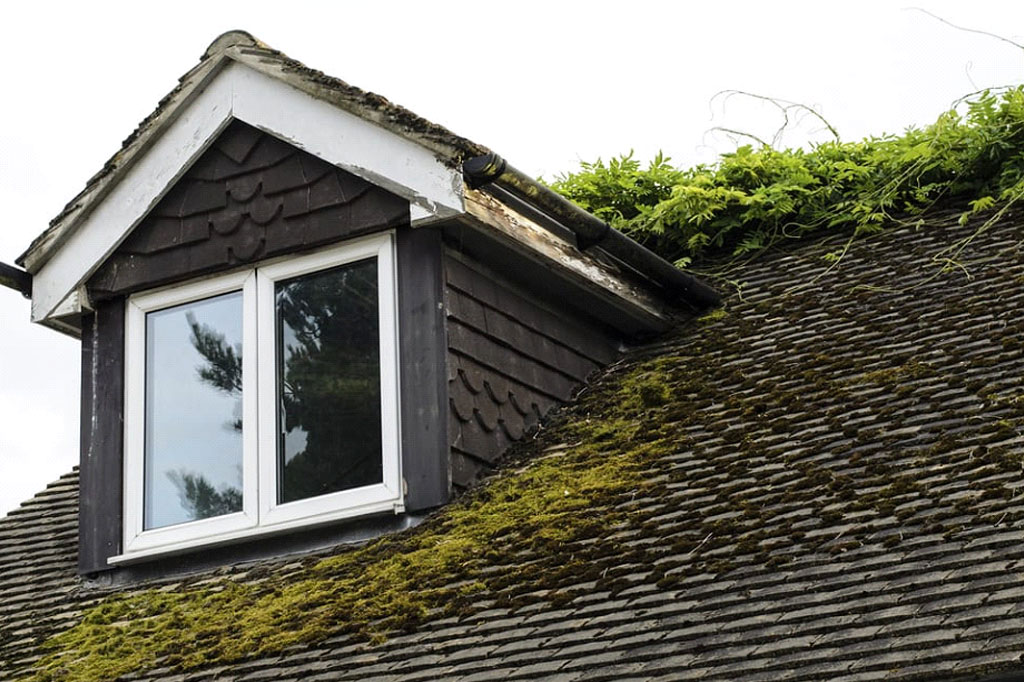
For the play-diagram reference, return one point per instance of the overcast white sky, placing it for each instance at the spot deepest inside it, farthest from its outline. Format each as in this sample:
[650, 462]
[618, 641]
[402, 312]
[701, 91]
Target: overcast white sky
[546, 84]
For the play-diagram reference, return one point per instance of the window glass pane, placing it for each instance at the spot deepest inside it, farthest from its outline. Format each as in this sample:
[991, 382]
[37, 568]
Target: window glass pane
[193, 460]
[328, 367]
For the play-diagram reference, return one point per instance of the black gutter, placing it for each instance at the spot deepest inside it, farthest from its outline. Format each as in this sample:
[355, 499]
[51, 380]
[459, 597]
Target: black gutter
[589, 230]
[16, 278]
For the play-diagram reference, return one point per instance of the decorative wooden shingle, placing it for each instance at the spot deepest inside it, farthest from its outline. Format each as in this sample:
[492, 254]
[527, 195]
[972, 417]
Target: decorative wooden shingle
[510, 360]
[249, 197]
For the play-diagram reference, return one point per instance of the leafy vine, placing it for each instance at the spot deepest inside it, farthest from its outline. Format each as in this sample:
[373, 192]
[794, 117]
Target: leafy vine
[970, 159]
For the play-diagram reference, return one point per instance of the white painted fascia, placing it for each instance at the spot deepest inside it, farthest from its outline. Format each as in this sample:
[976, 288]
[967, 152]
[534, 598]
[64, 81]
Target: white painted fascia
[236, 91]
[192, 83]
[347, 141]
[140, 187]
[75, 303]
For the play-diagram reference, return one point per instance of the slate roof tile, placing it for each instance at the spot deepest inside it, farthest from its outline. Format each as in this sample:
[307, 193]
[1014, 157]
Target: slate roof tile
[842, 500]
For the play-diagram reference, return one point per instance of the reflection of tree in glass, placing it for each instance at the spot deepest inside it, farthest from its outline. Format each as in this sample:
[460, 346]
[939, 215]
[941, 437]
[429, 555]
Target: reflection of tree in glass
[329, 376]
[200, 499]
[223, 371]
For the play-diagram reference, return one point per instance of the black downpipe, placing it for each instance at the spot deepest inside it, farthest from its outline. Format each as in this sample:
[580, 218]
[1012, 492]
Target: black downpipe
[590, 231]
[16, 278]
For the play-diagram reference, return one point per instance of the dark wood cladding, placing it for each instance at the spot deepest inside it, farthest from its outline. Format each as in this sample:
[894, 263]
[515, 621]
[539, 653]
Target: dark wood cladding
[510, 360]
[249, 197]
[99, 528]
[422, 352]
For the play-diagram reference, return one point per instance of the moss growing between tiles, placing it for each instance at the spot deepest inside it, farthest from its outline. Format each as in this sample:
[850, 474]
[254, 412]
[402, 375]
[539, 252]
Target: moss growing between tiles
[692, 435]
[566, 495]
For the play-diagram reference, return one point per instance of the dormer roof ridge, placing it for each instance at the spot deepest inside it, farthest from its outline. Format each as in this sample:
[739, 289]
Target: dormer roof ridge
[234, 37]
[242, 47]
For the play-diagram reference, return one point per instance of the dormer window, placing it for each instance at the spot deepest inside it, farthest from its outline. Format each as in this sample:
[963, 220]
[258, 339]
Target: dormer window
[310, 317]
[262, 399]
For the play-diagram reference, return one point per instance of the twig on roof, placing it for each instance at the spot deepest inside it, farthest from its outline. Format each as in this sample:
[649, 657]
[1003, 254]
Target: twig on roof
[702, 543]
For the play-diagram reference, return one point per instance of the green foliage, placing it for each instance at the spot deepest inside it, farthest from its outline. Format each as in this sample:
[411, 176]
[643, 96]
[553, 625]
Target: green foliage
[621, 193]
[971, 158]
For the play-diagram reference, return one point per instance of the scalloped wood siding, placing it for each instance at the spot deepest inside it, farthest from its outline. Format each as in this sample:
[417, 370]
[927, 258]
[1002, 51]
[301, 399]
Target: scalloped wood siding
[249, 197]
[511, 359]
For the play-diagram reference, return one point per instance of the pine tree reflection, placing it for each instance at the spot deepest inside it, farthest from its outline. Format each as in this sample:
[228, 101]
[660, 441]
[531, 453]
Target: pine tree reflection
[328, 372]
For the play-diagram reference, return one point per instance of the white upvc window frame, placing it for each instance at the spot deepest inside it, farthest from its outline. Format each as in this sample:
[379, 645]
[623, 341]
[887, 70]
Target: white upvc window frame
[261, 513]
[136, 539]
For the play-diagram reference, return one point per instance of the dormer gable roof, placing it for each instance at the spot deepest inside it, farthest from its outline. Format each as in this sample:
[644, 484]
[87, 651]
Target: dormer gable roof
[240, 47]
[241, 78]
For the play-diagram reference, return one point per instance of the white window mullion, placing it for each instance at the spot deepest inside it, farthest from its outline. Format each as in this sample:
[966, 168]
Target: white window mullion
[134, 420]
[250, 402]
[267, 403]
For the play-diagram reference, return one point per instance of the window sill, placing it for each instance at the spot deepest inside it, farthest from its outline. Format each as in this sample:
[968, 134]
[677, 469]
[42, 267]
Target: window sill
[237, 536]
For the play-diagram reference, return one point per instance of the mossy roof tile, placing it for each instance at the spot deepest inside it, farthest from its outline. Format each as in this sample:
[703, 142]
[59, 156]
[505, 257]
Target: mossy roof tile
[822, 481]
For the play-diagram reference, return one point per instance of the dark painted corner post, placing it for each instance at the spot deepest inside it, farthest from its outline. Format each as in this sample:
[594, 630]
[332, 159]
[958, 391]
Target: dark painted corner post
[100, 472]
[422, 352]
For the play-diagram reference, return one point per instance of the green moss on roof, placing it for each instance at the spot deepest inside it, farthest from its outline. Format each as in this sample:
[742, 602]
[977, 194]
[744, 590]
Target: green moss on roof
[792, 430]
[561, 498]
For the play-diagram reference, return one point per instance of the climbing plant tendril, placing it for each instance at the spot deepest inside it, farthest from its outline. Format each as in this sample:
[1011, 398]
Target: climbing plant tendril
[971, 158]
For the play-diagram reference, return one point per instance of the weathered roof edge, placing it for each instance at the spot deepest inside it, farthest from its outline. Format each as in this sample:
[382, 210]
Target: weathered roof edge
[242, 47]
